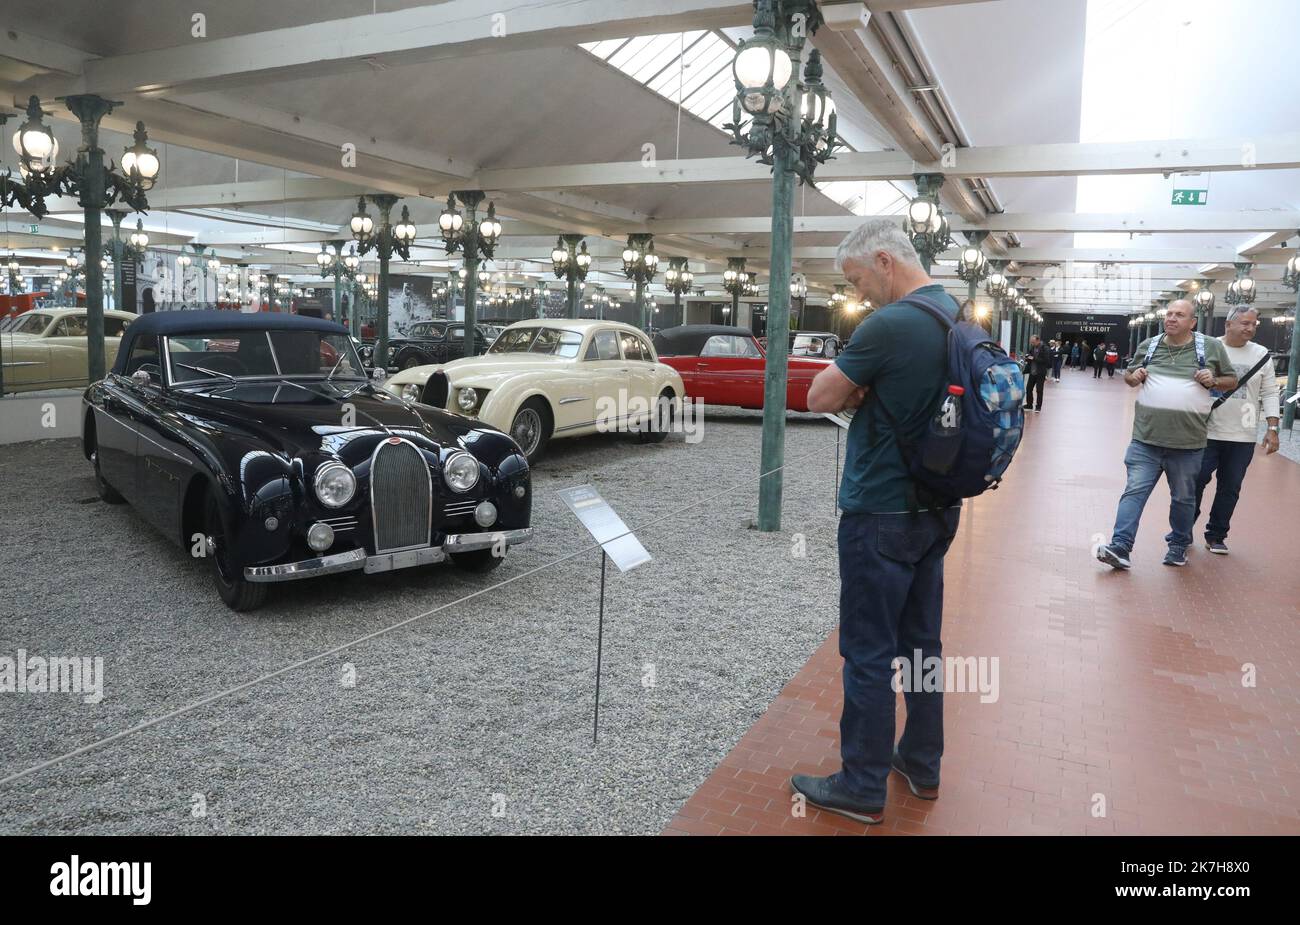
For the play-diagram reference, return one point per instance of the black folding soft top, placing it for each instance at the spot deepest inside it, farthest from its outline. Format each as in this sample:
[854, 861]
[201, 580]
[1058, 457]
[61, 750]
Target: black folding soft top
[215, 322]
[689, 339]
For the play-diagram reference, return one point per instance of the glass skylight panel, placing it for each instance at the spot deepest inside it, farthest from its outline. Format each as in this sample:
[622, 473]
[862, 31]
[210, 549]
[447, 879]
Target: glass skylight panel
[631, 48]
[603, 50]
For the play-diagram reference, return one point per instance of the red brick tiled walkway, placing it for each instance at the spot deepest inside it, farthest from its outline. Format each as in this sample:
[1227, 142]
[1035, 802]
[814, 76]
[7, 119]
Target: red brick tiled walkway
[1122, 687]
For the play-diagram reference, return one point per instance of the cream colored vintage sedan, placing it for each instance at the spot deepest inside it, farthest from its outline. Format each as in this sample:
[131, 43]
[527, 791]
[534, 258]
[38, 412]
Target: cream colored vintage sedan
[46, 348]
[550, 378]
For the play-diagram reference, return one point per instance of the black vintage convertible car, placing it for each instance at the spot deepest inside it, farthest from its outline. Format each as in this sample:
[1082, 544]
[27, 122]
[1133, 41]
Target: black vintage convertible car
[429, 342]
[258, 442]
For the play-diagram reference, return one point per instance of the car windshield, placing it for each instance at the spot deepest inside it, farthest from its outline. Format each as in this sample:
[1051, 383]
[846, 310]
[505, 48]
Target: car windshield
[33, 323]
[262, 354]
[550, 341]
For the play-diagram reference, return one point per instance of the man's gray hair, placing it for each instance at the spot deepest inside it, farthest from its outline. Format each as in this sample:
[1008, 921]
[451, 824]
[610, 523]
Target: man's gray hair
[883, 234]
[1235, 310]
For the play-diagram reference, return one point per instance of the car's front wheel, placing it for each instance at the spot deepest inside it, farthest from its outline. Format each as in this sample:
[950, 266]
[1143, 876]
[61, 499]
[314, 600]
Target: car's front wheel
[235, 590]
[661, 420]
[531, 428]
[408, 359]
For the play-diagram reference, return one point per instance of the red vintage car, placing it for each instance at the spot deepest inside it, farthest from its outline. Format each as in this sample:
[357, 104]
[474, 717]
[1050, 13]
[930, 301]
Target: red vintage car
[722, 365]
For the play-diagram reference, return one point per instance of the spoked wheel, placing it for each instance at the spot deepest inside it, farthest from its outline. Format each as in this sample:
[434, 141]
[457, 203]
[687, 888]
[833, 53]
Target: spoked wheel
[238, 593]
[531, 429]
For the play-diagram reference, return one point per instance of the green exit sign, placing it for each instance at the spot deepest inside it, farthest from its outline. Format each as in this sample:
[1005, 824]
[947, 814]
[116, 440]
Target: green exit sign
[1190, 197]
[34, 228]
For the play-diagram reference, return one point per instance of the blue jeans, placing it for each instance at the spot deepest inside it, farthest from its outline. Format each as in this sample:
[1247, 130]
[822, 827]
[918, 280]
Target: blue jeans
[891, 604]
[1231, 459]
[1145, 462]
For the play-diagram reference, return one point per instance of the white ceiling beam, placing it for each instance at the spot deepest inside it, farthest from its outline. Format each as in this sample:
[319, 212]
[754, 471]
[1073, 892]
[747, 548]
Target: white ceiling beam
[1046, 222]
[1275, 152]
[228, 195]
[429, 32]
[1193, 256]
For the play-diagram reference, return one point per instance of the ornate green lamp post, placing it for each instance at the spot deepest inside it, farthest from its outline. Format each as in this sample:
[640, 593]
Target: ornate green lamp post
[1241, 291]
[571, 264]
[1291, 278]
[735, 280]
[96, 186]
[996, 286]
[972, 265]
[678, 280]
[476, 238]
[386, 239]
[799, 293]
[1204, 302]
[333, 263]
[790, 125]
[640, 263]
[925, 223]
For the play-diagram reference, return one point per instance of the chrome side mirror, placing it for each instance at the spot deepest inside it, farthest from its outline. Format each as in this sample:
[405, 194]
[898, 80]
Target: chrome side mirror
[141, 377]
[379, 375]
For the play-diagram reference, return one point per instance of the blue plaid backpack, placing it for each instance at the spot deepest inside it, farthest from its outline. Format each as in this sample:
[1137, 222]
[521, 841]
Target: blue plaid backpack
[964, 454]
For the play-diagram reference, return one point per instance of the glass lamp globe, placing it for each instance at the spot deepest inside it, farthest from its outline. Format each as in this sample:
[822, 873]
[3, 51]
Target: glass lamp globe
[921, 214]
[450, 222]
[584, 258]
[756, 63]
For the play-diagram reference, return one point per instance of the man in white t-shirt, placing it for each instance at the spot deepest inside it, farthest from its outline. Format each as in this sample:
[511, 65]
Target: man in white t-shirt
[1235, 423]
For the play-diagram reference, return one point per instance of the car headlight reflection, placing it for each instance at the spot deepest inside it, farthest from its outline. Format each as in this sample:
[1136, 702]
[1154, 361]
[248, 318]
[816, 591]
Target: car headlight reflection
[335, 484]
[460, 472]
[411, 392]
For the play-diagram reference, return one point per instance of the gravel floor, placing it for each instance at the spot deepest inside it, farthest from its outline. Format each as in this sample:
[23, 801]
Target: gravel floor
[476, 719]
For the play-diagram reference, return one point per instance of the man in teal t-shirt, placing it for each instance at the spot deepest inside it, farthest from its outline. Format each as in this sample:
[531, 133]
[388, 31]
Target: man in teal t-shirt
[891, 554]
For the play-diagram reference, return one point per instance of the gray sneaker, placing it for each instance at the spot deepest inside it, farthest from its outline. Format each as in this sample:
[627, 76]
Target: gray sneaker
[1114, 557]
[1218, 547]
[1176, 556]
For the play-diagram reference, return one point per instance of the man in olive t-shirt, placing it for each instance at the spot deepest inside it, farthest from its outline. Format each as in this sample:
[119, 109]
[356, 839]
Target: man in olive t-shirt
[1170, 427]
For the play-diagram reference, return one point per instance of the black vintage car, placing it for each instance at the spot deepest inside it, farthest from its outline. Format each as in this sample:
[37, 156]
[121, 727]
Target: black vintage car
[258, 442]
[429, 342]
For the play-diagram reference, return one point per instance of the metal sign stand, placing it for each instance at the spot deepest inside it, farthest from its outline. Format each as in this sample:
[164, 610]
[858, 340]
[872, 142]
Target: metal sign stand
[600, 640]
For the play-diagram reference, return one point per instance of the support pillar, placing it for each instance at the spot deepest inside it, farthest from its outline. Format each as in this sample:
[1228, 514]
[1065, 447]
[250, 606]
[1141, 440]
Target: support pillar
[90, 109]
[1292, 369]
[778, 341]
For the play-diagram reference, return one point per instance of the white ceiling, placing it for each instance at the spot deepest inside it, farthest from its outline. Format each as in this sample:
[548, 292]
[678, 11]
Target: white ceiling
[1012, 72]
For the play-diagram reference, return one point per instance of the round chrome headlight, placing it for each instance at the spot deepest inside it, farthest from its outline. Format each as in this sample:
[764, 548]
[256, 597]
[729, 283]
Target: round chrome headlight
[320, 536]
[467, 400]
[335, 484]
[460, 472]
[411, 392]
[485, 515]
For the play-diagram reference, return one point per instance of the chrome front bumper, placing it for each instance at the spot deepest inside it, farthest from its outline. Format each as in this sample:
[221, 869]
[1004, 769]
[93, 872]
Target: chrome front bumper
[385, 562]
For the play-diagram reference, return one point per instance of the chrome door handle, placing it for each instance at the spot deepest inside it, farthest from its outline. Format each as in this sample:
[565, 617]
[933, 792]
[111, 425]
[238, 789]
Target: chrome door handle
[703, 366]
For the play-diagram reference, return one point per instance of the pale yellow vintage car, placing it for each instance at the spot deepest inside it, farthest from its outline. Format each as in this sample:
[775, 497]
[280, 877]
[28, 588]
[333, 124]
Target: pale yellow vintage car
[549, 378]
[46, 348]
